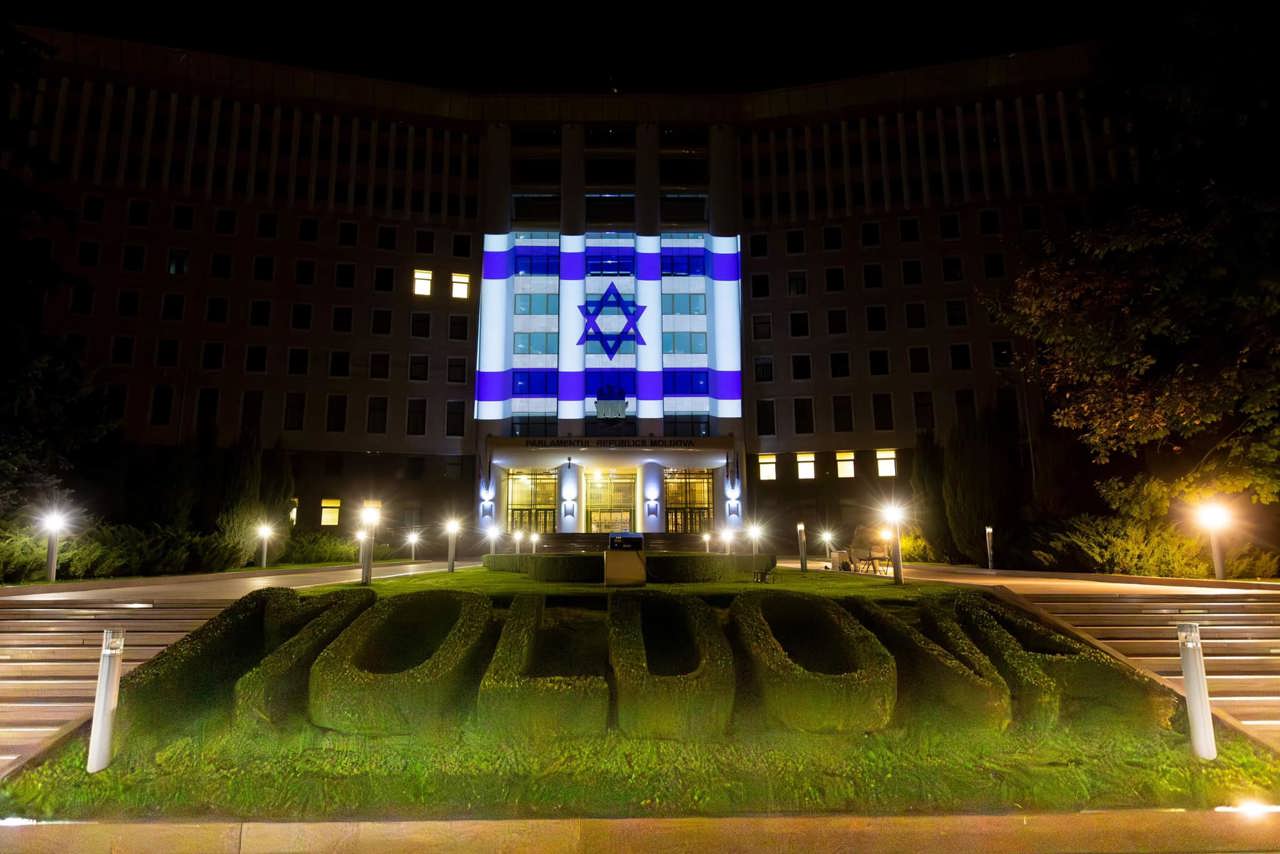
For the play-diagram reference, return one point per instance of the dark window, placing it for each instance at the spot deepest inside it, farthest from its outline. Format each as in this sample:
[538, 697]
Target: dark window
[842, 413]
[184, 217]
[870, 234]
[759, 245]
[761, 327]
[179, 262]
[384, 279]
[339, 363]
[380, 321]
[764, 369]
[348, 235]
[957, 312]
[424, 242]
[837, 321]
[961, 357]
[268, 225]
[379, 366]
[172, 306]
[877, 318]
[912, 271]
[839, 365]
[300, 318]
[295, 410]
[802, 409]
[416, 418]
[220, 265]
[134, 259]
[461, 249]
[882, 411]
[81, 298]
[91, 210]
[127, 304]
[304, 272]
[952, 269]
[309, 229]
[419, 365]
[122, 350]
[966, 406]
[161, 405]
[801, 367]
[299, 361]
[264, 268]
[878, 362]
[835, 279]
[260, 312]
[387, 238]
[139, 213]
[255, 359]
[759, 285]
[207, 411]
[344, 276]
[167, 353]
[459, 327]
[797, 283]
[212, 355]
[917, 318]
[949, 226]
[1032, 219]
[832, 238]
[918, 358]
[1002, 354]
[335, 415]
[922, 407]
[795, 242]
[376, 419]
[342, 318]
[215, 310]
[764, 418]
[420, 324]
[224, 222]
[799, 324]
[88, 253]
[454, 425]
[993, 265]
[909, 230]
[989, 222]
[872, 276]
[456, 370]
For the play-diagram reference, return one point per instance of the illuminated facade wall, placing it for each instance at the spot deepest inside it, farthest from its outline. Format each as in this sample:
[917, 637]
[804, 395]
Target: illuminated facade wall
[573, 326]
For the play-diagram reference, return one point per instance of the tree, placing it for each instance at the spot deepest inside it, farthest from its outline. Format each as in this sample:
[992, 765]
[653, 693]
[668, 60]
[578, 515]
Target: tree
[980, 484]
[928, 502]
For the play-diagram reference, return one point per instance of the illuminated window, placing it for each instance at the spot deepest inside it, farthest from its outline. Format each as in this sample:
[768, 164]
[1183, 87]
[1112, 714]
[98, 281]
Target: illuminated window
[375, 503]
[461, 285]
[768, 467]
[887, 463]
[844, 463]
[330, 509]
[804, 466]
[422, 283]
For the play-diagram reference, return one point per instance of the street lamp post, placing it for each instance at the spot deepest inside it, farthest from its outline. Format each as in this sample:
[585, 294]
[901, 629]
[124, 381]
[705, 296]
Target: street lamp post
[264, 534]
[893, 515]
[726, 536]
[366, 563]
[706, 542]
[826, 542]
[754, 533]
[991, 561]
[413, 545]
[518, 536]
[804, 557]
[1214, 517]
[533, 542]
[451, 528]
[54, 523]
[369, 517]
[493, 533]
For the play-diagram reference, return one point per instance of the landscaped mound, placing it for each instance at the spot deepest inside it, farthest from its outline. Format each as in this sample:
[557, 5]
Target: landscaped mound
[402, 666]
[672, 666]
[517, 693]
[816, 667]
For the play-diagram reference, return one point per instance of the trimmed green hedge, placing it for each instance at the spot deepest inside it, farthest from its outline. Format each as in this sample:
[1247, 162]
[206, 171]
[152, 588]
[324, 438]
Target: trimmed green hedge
[932, 680]
[570, 568]
[845, 680]
[691, 567]
[1051, 675]
[511, 700]
[694, 702]
[296, 633]
[196, 671]
[402, 666]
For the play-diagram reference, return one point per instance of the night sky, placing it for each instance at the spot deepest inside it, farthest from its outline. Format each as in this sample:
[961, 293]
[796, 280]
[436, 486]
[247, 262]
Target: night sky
[608, 50]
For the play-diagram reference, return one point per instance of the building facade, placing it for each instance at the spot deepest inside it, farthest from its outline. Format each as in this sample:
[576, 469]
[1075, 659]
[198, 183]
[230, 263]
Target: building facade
[576, 313]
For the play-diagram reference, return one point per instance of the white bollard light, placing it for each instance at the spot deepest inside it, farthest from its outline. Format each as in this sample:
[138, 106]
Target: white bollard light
[451, 528]
[991, 560]
[366, 557]
[1196, 687]
[105, 700]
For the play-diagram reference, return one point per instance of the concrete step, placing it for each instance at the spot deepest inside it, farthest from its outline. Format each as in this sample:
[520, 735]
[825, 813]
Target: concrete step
[88, 639]
[1167, 619]
[1242, 632]
[9, 612]
[1164, 665]
[1236, 683]
[173, 625]
[1263, 596]
[72, 653]
[87, 669]
[1188, 610]
[24, 735]
[28, 712]
[1169, 646]
[53, 688]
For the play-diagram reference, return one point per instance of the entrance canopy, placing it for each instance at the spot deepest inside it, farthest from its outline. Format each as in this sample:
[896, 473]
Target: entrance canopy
[668, 452]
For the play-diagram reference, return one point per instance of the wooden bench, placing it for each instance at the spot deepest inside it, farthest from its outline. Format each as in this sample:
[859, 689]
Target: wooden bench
[763, 575]
[875, 563]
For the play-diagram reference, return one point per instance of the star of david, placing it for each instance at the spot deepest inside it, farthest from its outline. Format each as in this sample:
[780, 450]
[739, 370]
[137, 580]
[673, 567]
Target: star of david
[611, 342]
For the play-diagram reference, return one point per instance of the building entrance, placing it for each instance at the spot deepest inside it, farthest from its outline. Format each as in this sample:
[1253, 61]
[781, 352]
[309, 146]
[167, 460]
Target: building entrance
[531, 500]
[689, 507]
[611, 501]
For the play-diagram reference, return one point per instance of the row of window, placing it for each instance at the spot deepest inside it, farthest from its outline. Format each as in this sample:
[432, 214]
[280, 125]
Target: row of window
[886, 465]
[915, 316]
[871, 233]
[919, 361]
[912, 272]
[138, 214]
[882, 411]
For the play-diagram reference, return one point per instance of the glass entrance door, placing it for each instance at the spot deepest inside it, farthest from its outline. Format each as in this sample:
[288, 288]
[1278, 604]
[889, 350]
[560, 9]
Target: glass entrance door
[611, 498]
[689, 507]
[689, 520]
[532, 520]
[608, 521]
[531, 500]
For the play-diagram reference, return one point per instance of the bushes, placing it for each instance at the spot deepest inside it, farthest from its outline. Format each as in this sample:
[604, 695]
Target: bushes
[817, 668]
[568, 569]
[296, 632]
[319, 547]
[931, 679]
[1127, 545]
[513, 700]
[980, 483]
[402, 666]
[683, 568]
[1051, 675]
[672, 666]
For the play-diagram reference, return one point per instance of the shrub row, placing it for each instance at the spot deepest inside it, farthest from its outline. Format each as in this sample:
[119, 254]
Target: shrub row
[570, 568]
[512, 700]
[683, 568]
[817, 668]
[691, 704]
[401, 666]
[931, 679]
[296, 632]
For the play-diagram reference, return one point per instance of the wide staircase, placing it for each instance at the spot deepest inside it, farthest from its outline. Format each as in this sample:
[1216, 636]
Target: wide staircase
[573, 543]
[1239, 632]
[49, 654]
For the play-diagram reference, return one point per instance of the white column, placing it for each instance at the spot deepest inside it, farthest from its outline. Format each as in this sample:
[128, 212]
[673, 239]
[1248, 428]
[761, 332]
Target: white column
[493, 339]
[572, 358]
[648, 354]
[569, 518]
[725, 325]
[651, 502]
